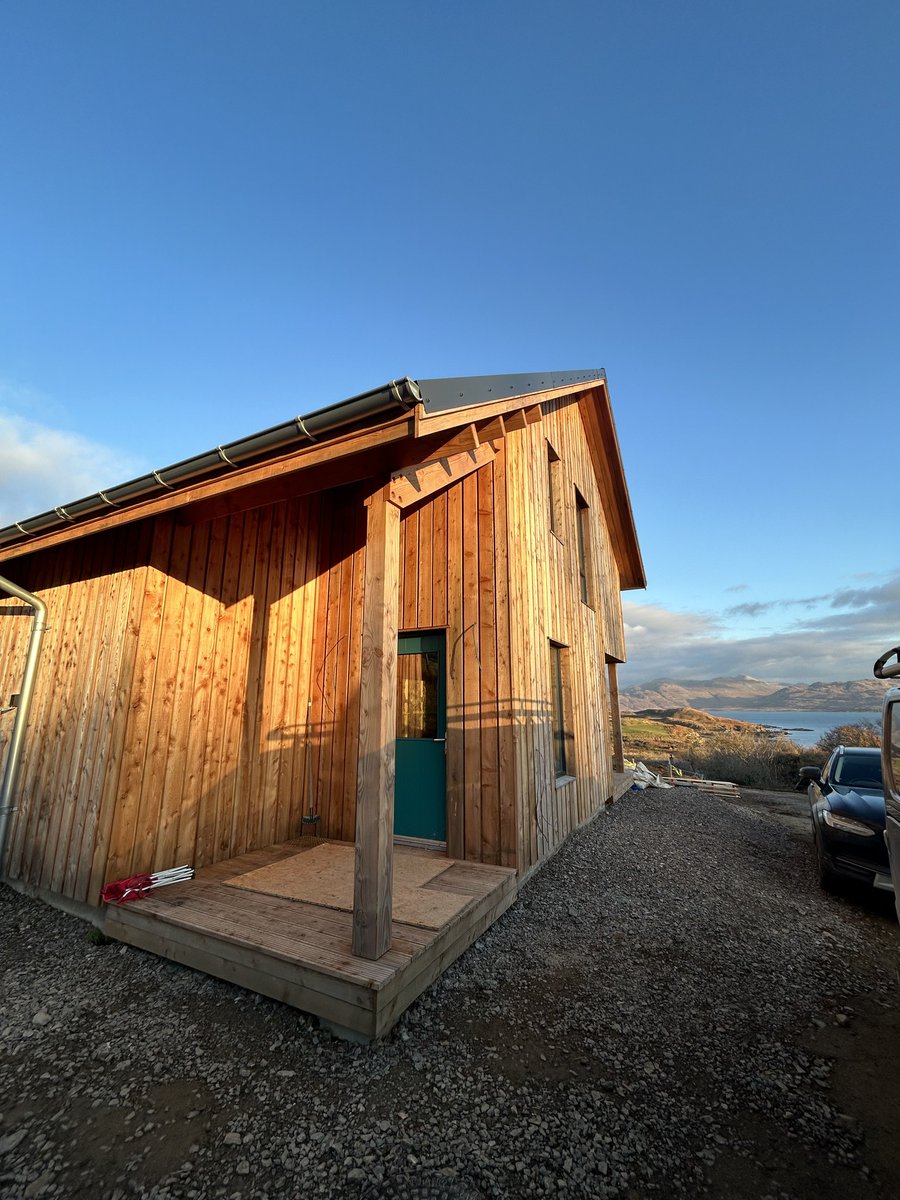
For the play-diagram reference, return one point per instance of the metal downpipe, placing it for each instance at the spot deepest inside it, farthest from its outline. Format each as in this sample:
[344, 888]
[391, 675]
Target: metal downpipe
[17, 740]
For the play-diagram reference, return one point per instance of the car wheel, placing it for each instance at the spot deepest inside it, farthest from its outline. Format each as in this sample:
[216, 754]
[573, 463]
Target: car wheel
[827, 878]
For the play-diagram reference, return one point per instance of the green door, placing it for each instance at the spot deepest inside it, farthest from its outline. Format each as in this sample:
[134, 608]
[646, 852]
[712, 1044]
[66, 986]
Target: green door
[420, 791]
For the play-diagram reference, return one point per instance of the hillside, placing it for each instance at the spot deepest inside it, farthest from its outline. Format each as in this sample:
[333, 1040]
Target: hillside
[713, 747]
[746, 692]
[656, 736]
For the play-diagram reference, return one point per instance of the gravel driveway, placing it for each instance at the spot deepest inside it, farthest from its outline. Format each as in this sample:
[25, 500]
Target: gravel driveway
[673, 1008]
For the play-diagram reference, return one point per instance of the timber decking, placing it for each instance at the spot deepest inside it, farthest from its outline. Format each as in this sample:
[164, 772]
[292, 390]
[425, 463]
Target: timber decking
[622, 781]
[301, 953]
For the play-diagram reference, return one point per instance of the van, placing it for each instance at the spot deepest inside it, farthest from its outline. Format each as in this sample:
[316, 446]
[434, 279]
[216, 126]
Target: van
[890, 763]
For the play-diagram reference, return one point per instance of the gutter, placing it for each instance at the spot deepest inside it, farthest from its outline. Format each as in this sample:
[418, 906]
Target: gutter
[403, 394]
[23, 704]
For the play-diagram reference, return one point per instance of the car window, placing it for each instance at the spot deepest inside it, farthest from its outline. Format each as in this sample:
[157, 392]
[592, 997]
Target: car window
[858, 770]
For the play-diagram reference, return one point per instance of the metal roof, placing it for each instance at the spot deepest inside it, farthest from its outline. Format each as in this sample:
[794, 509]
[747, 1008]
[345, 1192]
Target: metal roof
[439, 395]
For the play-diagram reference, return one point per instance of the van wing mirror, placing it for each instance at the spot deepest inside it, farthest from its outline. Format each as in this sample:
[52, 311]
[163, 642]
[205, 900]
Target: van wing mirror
[884, 668]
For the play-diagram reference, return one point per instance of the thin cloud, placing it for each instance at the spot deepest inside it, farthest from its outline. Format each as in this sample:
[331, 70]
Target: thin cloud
[753, 608]
[843, 599]
[42, 467]
[876, 597]
[839, 643]
[653, 624]
[738, 587]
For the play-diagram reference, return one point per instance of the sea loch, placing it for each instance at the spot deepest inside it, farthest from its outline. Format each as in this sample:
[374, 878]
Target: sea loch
[804, 727]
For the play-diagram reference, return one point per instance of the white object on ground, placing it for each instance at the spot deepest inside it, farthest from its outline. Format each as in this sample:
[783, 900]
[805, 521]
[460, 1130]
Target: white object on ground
[644, 778]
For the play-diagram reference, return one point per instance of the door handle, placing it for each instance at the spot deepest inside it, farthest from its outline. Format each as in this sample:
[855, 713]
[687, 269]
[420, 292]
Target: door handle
[443, 739]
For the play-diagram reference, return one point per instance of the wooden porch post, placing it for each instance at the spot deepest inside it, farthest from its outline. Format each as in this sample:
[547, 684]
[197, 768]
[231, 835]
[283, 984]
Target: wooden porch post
[377, 730]
[618, 748]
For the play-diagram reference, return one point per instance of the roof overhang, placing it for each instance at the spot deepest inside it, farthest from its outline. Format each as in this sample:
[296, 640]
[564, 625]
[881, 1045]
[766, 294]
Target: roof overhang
[403, 423]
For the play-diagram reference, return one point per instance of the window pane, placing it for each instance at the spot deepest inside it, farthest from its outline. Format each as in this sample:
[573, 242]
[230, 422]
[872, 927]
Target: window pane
[417, 695]
[554, 494]
[559, 729]
[581, 514]
[583, 536]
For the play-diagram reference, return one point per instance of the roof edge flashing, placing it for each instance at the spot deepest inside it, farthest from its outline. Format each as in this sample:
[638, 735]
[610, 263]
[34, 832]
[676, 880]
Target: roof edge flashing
[442, 395]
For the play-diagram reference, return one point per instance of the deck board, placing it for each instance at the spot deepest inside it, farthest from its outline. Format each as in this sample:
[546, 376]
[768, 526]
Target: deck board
[300, 952]
[258, 922]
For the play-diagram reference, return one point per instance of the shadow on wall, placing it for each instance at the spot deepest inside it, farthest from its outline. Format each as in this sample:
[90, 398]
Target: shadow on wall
[224, 758]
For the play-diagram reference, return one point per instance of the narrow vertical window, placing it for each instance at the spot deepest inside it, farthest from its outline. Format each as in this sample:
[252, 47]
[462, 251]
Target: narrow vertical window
[561, 758]
[554, 491]
[583, 535]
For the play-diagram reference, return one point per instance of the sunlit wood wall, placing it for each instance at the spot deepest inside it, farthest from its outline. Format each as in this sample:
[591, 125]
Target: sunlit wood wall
[479, 561]
[170, 715]
[199, 686]
[453, 577]
[546, 606]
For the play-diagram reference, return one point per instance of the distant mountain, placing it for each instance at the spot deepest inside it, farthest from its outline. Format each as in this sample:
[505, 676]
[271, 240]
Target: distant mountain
[855, 695]
[745, 692]
[724, 692]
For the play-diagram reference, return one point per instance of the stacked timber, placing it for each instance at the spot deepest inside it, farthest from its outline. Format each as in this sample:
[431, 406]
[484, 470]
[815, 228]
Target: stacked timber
[711, 787]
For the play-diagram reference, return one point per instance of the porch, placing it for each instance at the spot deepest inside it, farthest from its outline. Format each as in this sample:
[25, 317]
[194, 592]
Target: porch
[279, 921]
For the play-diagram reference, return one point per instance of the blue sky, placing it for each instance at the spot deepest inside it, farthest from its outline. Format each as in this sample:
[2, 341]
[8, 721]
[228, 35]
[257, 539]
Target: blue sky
[217, 215]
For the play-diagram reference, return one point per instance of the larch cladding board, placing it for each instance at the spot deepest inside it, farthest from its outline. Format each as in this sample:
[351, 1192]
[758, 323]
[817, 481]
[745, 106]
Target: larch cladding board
[453, 576]
[94, 595]
[170, 714]
[546, 606]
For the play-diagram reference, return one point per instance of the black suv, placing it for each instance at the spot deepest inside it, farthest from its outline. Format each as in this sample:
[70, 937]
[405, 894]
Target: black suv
[847, 808]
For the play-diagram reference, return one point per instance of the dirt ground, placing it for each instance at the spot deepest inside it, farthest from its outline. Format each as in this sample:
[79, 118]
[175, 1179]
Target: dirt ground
[672, 1008]
[865, 1053]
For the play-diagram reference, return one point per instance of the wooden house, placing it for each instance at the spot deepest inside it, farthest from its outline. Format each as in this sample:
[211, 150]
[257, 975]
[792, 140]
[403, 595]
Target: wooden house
[388, 629]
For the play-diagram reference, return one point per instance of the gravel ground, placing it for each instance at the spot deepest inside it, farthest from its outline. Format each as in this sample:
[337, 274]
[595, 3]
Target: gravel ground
[672, 1008]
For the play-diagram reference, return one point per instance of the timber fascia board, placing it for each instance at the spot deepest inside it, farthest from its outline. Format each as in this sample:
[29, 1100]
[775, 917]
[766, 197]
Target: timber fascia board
[603, 441]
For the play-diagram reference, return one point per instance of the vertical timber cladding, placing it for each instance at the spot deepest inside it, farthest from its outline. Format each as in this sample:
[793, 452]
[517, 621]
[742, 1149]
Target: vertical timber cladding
[334, 715]
[453, 576]
[453, 548]
[215, 754]
[169, 722]
[546, 605]
[94, 592]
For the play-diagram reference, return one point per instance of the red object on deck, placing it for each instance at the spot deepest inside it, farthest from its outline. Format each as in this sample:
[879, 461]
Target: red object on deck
[121, 891]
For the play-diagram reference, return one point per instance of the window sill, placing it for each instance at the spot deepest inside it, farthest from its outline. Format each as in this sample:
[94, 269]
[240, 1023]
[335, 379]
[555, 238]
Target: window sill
[563, 780]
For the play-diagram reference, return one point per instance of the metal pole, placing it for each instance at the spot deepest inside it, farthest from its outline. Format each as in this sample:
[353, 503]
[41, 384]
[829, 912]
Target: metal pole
[17, 740]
